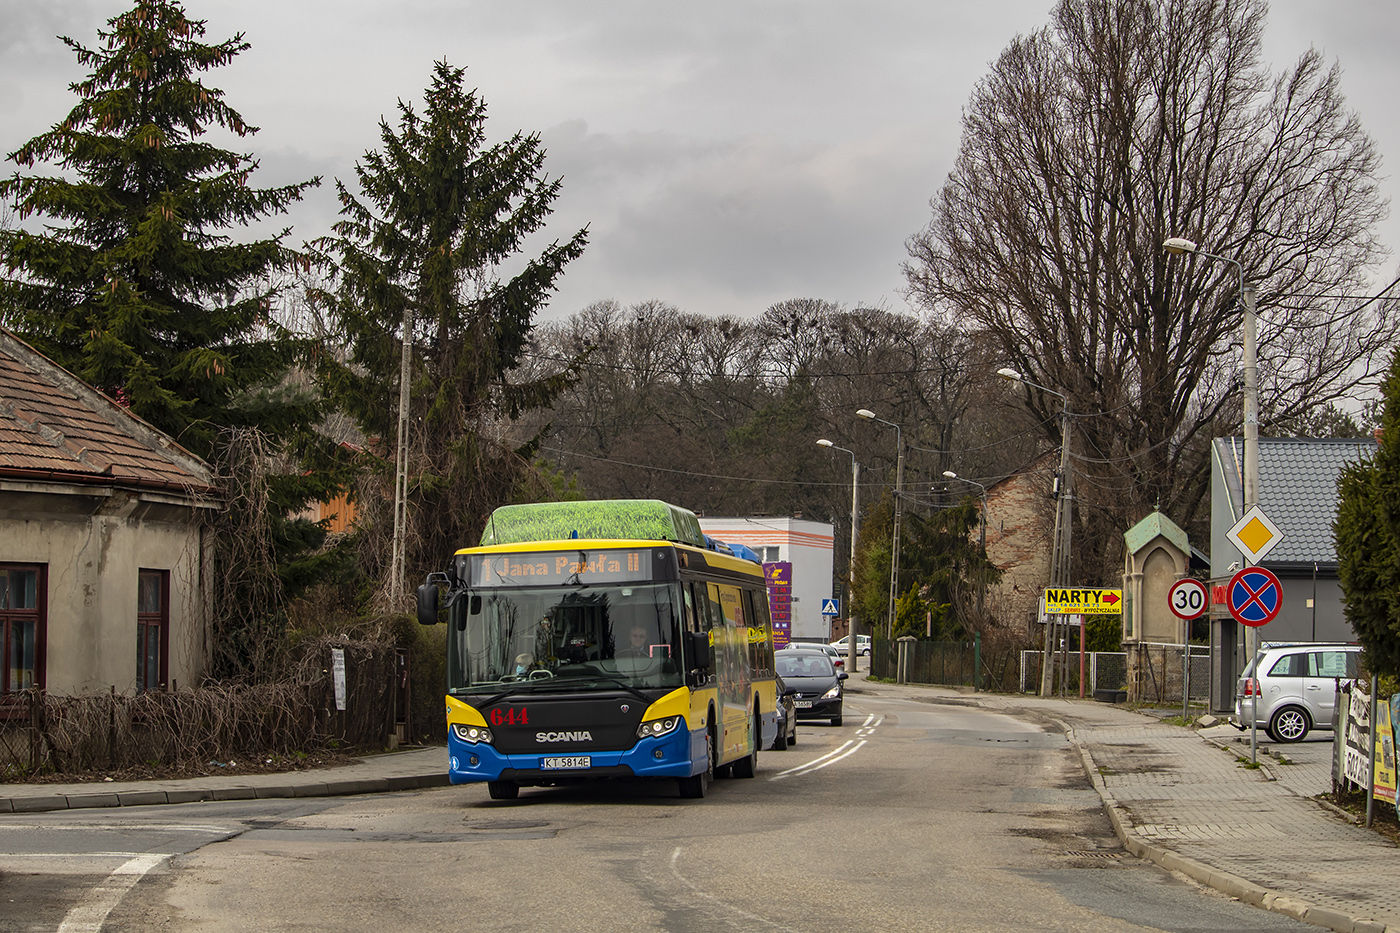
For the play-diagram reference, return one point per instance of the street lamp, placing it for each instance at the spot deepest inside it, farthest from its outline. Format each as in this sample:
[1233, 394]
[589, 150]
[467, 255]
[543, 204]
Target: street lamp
[851, 651]
[898, 491]
[1064, 517]
[1178, 246]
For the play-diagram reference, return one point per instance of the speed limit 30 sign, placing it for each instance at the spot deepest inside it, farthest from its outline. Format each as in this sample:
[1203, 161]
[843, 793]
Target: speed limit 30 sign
[1188, 598]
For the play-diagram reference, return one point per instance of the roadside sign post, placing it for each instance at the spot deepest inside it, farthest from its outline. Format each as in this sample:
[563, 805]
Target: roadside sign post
[1077, 601]
[1187, 599]
[1255, 596]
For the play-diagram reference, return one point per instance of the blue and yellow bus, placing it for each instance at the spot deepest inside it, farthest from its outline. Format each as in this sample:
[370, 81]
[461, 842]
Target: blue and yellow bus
[591, 640]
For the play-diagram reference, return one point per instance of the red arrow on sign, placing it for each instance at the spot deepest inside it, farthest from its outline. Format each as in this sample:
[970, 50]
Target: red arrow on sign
[1111, 598]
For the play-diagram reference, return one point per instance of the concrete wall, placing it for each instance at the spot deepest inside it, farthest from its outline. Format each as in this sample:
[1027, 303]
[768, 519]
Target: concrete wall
[94, 543]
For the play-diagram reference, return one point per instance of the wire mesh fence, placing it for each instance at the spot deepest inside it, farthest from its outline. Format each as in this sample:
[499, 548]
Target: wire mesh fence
[1151, 674]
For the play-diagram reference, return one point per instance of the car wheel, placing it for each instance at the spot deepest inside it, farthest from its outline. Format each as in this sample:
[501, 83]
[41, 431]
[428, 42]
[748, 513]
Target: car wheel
[780, 744]
[792, 739]
[836, 720]
[503, 790]
[1289, 724]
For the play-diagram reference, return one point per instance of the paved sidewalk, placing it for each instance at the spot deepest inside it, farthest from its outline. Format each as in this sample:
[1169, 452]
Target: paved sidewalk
[406, 769]
[1185, 800]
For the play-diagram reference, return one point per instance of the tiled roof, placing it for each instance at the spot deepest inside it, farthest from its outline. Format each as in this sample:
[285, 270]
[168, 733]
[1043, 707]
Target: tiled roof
[53, 426]
[1297, 489]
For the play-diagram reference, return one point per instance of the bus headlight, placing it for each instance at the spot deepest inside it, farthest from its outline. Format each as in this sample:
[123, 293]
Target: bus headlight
[658, 726]
[473, 734]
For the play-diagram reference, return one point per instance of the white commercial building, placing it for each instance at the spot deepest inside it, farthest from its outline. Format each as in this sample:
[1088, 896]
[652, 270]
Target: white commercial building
[806, 545]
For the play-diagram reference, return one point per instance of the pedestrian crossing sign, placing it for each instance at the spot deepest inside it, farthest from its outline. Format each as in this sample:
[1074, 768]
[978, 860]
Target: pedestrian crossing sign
[831, 607]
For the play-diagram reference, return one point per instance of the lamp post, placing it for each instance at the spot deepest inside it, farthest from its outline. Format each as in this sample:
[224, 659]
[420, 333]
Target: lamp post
[898, 491]
[1178, 246]
[1064, 518]
[852, 652]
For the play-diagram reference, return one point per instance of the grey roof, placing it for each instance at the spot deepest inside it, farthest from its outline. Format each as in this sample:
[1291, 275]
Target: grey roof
[1297, 489]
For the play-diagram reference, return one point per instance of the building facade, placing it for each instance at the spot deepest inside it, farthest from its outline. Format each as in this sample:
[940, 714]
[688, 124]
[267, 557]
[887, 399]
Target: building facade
[105, 541]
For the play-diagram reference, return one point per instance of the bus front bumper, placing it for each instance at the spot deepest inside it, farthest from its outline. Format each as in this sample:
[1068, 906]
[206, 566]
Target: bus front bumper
[669, 755]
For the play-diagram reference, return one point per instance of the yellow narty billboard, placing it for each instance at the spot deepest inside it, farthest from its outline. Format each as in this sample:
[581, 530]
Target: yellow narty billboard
[1082, 600]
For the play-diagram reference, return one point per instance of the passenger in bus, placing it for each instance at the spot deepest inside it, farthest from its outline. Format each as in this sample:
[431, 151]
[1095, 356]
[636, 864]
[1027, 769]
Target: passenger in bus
[524, 664]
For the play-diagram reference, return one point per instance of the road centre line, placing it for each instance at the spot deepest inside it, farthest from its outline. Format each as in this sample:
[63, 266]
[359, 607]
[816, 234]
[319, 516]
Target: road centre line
[91, 912]
[846, 749]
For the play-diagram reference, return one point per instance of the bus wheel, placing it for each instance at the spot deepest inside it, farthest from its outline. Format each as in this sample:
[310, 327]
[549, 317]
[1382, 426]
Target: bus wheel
[695, 786]
[503, 790]
[747, 766]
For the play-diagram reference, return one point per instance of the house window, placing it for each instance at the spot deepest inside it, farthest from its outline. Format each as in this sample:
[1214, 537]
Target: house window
[152, 629]
[772, 554]
[22, 603]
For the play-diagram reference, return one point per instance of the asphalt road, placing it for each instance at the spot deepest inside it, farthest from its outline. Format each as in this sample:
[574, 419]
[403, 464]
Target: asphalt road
[911, 816]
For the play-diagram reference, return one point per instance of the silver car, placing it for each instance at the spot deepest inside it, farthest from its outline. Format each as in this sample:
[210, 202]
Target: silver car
[1297, 690]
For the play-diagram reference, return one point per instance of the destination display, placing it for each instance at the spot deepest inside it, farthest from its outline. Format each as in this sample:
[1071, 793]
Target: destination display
[556, 568]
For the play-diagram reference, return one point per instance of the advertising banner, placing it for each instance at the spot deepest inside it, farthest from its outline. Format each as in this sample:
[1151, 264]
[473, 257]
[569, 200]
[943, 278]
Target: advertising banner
[1385, 753]
[1358, 734]
[779, 577]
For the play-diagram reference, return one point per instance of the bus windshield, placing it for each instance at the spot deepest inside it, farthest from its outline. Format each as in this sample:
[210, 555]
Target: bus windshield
[565, 637]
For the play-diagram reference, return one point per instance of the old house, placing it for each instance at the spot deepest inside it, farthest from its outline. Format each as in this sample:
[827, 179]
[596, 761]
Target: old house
[1020, 525]
[105, 543]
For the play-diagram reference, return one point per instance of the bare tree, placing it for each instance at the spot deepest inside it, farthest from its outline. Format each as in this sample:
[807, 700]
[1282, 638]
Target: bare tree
[1122, 123]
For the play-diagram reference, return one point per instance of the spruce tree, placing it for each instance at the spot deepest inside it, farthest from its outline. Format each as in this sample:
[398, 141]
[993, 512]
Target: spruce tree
[438, 211]
[1367, 537]
[134, 282]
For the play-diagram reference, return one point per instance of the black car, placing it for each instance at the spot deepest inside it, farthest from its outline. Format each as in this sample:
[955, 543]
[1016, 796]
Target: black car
[818, 687]
[787, 718]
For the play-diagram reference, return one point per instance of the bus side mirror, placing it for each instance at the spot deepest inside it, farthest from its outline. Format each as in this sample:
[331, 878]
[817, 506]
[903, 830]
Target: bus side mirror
[428, 604]
[701, 652]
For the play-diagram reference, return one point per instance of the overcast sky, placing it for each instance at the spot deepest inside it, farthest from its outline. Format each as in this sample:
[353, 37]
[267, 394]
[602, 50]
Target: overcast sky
[725, 155]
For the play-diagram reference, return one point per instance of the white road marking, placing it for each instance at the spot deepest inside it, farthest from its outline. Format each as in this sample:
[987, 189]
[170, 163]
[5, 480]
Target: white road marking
[676, 872]
[91, 912]
[846, 749]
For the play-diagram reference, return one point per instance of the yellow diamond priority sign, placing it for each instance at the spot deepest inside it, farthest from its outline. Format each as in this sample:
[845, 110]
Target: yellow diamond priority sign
[1254, 534]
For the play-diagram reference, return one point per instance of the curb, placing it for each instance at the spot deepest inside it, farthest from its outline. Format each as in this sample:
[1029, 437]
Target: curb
[1222, 881]
[139, 798]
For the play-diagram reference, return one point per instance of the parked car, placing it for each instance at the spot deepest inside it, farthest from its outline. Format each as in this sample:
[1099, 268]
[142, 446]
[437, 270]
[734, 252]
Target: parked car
[1297, 689]
[863, 643]
[818, 686]
[787, 718]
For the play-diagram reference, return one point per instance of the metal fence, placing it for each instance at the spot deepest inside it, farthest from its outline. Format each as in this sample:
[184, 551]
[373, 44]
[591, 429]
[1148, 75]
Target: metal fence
[946, 663]
[1103, 670]
[1150, 674]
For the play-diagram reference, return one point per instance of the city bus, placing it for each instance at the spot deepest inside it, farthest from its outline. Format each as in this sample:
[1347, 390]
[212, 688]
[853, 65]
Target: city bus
[605, 639]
